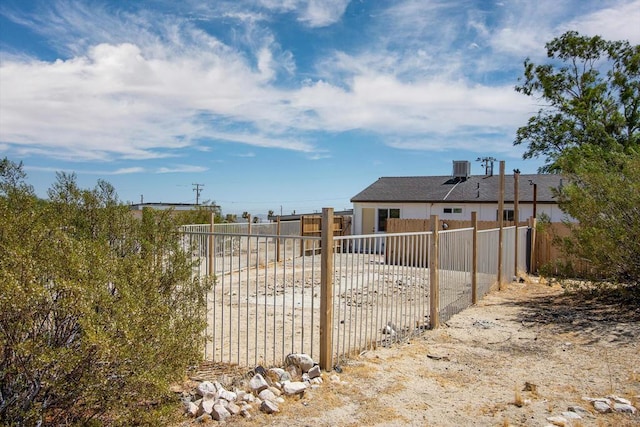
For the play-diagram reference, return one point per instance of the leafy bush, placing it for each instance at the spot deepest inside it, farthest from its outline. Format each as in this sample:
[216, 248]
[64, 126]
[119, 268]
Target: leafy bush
[603, 194]
[98, 311]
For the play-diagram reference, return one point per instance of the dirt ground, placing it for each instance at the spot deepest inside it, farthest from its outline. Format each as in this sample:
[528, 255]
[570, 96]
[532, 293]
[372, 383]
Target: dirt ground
[520, 356]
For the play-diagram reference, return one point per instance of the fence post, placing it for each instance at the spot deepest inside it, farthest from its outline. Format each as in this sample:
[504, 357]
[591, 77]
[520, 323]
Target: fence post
[278, 239]
[210, 270]
[302, 241]
[326, 289]
[534, 255]
[434, 282]
[516, 214]
[474, 259]
[501, 226]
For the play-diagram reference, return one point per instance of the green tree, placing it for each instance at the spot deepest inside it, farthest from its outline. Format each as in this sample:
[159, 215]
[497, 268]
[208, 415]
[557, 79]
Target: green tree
[589, 130]
[98, 311]
[590, 91]
[605, 199]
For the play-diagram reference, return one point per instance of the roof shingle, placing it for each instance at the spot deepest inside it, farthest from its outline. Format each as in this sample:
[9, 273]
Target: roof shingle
[443, 189]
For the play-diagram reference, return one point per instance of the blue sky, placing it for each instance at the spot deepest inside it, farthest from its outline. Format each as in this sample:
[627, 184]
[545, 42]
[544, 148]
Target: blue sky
[273, 104]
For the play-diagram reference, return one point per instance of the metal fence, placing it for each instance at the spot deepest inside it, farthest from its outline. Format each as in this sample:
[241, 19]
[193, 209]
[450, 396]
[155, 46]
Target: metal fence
[265, 302]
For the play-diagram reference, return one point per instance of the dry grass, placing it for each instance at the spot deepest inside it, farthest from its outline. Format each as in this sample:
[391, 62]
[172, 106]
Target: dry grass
[517, 399]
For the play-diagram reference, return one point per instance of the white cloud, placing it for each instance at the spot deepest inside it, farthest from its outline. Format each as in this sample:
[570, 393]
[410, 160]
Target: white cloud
[143, 86]
[182, 169]
[612, 23]
[321, 13]
[315, 13]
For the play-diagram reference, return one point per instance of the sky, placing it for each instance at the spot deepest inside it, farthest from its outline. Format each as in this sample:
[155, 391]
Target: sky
[282, 105]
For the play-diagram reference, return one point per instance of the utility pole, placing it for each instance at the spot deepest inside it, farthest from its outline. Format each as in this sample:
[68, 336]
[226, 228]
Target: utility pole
[197, 188]
[487, 163]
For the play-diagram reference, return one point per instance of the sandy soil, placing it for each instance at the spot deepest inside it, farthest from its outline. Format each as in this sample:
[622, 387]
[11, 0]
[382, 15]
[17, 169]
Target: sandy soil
[518, 357]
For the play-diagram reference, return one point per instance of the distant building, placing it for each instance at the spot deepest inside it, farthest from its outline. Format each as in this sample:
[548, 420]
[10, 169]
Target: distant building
[453, 197]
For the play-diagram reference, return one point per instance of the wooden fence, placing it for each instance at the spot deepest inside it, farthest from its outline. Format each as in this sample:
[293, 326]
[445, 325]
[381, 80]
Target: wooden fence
[550, 255]
[395, 225]
[311, 226]
[545, 252]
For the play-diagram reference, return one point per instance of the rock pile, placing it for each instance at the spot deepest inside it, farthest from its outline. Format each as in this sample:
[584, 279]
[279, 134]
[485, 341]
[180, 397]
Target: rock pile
[601, 405]
[264, 391]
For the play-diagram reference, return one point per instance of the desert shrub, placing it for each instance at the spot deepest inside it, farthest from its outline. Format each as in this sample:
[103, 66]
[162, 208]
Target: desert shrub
[98, 311]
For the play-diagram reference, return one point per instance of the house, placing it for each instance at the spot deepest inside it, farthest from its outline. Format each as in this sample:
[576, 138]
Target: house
[453, 197]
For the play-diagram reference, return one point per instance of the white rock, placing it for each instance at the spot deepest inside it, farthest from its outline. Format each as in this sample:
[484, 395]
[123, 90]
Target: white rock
[258, 383]
[206, 387]
[192, 409]
[558, 421]
[275, 391]
[301, 360]
[220, 413]
[579, 410]
[623, 407]
[277, 373]
[296, 387]
[269, 407]
[570, 415]
[233, 408]
[267, 394]
[227, 395]
[601, 406]
[618, 399]
[314, 372]
[206, 405]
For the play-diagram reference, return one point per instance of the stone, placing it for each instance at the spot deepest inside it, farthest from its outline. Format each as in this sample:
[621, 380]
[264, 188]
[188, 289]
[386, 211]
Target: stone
[207, 403]
[191, 409]
[258, 383]
[301, 360]
[267, 394]
[570, 415]
[276, 391]
[277, 373]
[314, 372]
[269, 407]
[579, 410]
[233, 408]
[227, 395]
[558, 421]
[618, 399]
[601, 406]
[219, 412]
[623, 407]
[205, 387]
[293, 371]
[292, 388]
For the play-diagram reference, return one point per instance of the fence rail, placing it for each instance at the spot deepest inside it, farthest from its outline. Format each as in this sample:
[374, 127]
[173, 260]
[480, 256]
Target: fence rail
[266, 300]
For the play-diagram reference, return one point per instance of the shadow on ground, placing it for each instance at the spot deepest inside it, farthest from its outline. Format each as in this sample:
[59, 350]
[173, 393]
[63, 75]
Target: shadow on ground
[609, 315]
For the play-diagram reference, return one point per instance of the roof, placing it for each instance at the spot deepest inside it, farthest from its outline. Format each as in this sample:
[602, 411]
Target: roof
[447, 189]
